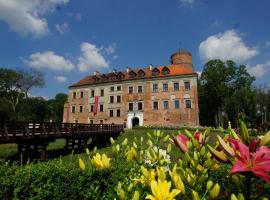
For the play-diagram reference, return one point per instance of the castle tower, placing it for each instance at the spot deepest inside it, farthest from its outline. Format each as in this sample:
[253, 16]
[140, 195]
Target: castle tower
[183, 58]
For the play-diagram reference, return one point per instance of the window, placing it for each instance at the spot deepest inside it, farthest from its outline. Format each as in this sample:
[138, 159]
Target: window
[74, 95]
[101, 121]
[140, 106]
[112, 89]
[92, 108]
[118, 99]
[155, 87]
[81, 108]
[175, 86]
[165, 71]
[102, 92]
[118, 88]
[140, 89]
[73, 109]
[111, 99]
[188, 103]
[91, 121]
[101, 107]
[81, 94]
[155, 105]
[118, 113]
[92, 93]
[130, 106]
[111, 113]
[187, 85]
[130, 89]
[165, 87]
[165, 104]
[176, 104]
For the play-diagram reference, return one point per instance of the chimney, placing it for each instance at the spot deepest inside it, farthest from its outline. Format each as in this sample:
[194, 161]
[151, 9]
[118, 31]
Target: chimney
[114, 70]
[128, 69]
[150, 67]
[96, 73]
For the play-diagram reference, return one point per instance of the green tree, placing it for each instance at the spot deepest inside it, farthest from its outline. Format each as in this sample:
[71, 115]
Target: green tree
[225, 93]
[56, 107]
[14, 87]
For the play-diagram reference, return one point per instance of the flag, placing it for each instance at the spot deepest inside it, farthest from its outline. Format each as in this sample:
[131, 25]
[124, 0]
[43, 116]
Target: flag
[95, 105]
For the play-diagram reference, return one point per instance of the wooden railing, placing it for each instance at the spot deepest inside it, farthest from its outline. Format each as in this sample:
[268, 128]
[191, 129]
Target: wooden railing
[12, 132]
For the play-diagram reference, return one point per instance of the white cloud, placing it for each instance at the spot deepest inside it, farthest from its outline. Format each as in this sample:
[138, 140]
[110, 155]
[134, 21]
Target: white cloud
[91, 57]
[110, 49]
[62, 28]
[77, 16]
[199, 73]
[187, 1]
[259, 70]
[267, 44]
[24, 16]
[61, 79]
[49, 60]
[226, 46]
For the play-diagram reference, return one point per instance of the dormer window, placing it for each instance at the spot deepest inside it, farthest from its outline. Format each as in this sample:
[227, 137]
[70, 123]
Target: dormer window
[141, 73]
[155, 72]
[95, 78]
[132, 74]
[165, 71]
[104, 77]
[120, 75]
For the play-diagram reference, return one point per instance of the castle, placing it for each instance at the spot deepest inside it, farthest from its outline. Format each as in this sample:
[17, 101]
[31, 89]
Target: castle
[154, 95]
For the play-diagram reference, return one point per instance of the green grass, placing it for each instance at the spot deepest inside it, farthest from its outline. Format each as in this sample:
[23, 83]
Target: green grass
[8, 150]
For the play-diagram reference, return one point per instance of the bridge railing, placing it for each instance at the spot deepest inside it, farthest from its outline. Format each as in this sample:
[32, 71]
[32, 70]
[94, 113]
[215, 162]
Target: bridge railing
[9, 129]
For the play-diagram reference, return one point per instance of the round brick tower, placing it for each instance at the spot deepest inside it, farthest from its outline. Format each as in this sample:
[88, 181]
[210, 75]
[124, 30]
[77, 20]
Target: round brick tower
[183, 58]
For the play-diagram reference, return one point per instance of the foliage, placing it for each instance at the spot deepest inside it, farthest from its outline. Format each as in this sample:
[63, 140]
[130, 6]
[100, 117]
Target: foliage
[225, 93]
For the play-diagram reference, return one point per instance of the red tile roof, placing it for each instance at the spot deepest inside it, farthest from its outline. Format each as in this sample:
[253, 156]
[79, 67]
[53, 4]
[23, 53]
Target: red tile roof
[124, 75]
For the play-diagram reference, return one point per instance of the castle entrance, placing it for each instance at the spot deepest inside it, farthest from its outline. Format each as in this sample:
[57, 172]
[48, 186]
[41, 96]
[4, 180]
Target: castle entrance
[134, 118]
[135, 121]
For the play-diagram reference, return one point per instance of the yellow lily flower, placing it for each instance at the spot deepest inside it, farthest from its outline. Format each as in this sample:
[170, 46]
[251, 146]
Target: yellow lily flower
[161, 191]
[177, 180]
[136, 195]
[147, 176]
[131, 154]
[161, 173]
[101, 162]
[81, 164]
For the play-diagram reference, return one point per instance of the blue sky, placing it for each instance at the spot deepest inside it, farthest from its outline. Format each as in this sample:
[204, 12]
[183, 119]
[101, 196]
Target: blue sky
[69, 39]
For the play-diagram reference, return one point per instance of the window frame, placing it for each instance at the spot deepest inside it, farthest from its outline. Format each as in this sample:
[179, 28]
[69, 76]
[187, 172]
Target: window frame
[81, 109]
[118, 113]
[111, 99]
[140, 91]
[102, 92]
[118, 99]
[140, 103]
[186, 100]
[176, 88]
[165, 89]
[111, 113]
[129, 91]
[176, 100]
[73, 109]
[155, 107]
[92, 93]
[112, 89]
[155, 89]
[167, 106]
[101, 106]
[189, 85]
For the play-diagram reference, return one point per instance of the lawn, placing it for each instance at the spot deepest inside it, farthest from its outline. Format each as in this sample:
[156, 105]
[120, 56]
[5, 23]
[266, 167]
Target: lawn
[56, 149]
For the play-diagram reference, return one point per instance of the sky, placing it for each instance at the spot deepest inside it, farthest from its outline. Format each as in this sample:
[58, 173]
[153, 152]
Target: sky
[70, 39]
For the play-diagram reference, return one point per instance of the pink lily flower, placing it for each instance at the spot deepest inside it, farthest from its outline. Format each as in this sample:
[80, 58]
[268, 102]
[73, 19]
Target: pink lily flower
[257, 162]
[181, 141]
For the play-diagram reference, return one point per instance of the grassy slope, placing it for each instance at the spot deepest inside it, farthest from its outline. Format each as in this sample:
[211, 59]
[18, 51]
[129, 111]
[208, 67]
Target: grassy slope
[8, 150]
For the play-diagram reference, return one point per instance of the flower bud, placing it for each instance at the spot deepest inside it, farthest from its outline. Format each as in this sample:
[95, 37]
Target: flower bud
[124, 143]
[87, 151]
[209, 185]
[112, 140]
[233, 197]
[81, 164]
[240, 196]
[195, 195]
[169, 148]
[214, 192]
[136, 195]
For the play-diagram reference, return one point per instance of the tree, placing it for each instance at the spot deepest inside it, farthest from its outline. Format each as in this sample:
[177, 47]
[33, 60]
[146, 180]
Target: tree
[56, 107]
[225, 93]
[15, 86]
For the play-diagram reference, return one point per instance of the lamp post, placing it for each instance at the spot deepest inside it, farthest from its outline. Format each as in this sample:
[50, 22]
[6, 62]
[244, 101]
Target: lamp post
[264, 108]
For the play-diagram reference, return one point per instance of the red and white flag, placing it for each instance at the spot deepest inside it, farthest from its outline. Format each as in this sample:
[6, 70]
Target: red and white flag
[95, 106]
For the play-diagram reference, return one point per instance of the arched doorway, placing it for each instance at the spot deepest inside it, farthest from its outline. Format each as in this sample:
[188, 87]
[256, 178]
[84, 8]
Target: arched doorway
[135, 121]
